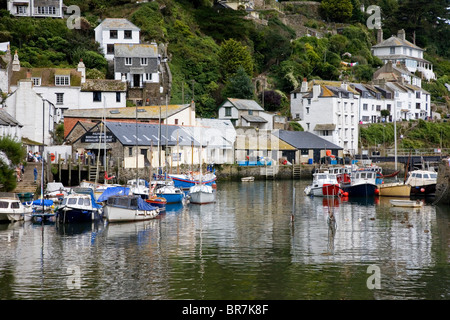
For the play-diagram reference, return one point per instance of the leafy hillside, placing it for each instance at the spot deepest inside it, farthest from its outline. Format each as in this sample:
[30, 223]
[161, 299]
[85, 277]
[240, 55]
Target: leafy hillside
[205, 62]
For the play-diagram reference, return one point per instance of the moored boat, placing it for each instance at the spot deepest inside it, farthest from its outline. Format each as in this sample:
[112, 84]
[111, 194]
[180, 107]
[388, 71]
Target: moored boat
[185, 181]
[406, 203]
[202, 194]
[422, 182]
[171, 193]
[11, 209]
[394, 189]
[79, 206]
[363, 184]
[323, 184]
[123, 208]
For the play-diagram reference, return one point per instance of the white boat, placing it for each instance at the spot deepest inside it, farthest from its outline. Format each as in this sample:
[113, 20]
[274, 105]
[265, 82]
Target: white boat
[123, 208]
[248, 179]
[55, 191]
[79, 206]
[11, 209]
[406, 203]
[323, 184]
[141, 187]
[422, 182]
[171, 193]
[202, 194]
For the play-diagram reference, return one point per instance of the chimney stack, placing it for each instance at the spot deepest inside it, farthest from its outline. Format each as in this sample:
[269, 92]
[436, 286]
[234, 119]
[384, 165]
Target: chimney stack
[16, 62]
[82, 68]
[379, 35]
[304, 87]
[401, 34]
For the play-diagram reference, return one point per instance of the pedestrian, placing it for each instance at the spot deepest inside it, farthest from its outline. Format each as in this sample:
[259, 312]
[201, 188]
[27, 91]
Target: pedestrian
[35, 174]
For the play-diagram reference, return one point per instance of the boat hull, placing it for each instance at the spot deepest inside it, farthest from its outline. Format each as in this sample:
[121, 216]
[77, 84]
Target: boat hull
[394, 190]
[406, 203]
[326, 190]
[11, 217]
[117, 214]
[361, 190]
[180, 182]
[201, 197]
[423, 191]
[69, 215]
[172, 197]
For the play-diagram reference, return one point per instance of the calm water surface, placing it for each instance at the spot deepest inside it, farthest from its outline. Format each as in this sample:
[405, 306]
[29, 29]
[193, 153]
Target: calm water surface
[245, 246]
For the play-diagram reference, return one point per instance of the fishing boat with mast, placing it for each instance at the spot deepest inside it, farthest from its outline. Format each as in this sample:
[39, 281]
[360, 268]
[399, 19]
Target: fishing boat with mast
[201, 193]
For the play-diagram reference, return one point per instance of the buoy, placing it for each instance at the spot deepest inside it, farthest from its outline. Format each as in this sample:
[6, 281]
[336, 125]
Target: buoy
[422, 190]
[377, 191]
[345, 194]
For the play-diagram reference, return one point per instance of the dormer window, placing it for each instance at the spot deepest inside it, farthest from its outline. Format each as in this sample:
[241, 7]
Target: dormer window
[36, 82]
[62, 80]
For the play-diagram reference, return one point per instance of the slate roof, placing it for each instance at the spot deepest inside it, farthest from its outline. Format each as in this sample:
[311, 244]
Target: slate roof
[7, 120]
[394, 41]
[104, 85]
[47, 76]
[148, 134]
[244, 104]
[117, 23]
[305, 140]
[252, 118]
[136, 50]
[144, 112]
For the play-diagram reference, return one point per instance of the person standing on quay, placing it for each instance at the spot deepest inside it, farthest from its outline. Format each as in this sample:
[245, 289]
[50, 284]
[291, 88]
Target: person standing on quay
[35, 174]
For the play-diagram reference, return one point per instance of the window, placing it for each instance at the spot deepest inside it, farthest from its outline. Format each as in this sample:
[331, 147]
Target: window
[62, 80]
[21, 10]
[127, 34]
[325, 133]
[117, 96]
[309, 101]
[392, 50]
[378, 107]
[110, 48]
[60, 98]
[250, 112]
[130, 151]
[418, 94]
[128, 61]
[36, 81]
[176, 121]
[113, 34]
[295, 95]
[144, 61]
[148, 77]
[307, 126]
[417, 105]
[97, 96]
[307, 110]
[227, 111]
[365, 106]
[389, 107]
[46, 10]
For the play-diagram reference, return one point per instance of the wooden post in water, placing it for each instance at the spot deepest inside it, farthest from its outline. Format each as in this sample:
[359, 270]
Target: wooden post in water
[70, 170]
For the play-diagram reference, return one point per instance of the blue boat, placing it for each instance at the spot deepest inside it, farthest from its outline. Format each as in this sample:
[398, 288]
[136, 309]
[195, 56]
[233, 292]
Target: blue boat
[362, 184]
[79, 206]
[186, 181]
[171, 193]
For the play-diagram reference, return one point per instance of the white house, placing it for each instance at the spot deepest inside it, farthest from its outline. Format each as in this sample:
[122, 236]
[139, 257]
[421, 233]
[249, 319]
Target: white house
[32, 111]
[245, 113]
[329, 109]
[36, 8]
[399, 50]
[115, 30]
[372, 100]
[102, 93]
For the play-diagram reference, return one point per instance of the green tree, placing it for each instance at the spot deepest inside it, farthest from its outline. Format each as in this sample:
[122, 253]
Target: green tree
[11, 155]
[232, 56]
[239, 86]
[336, 10]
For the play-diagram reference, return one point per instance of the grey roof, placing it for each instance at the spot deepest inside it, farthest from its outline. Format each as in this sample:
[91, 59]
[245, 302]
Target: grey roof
[394, 41]
[7, 120]
[136, 50]
[243, 104]
[118, 23]
[148, 134]
[305, 140]
[251, 118]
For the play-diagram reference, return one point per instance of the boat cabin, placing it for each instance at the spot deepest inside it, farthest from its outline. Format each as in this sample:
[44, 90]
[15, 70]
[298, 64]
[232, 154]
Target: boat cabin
[421, 178]
[122, 201]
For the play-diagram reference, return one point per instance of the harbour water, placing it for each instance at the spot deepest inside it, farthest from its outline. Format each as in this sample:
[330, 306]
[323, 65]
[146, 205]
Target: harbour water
[249, 245]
